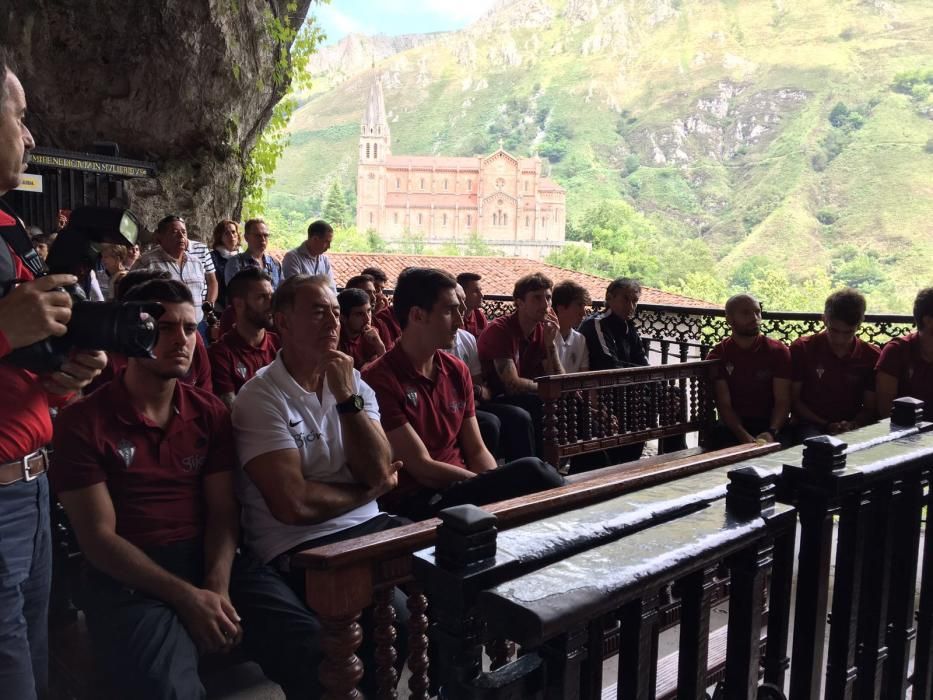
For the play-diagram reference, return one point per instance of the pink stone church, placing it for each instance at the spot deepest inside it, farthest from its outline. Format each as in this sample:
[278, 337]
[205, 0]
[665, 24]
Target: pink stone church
[503, 199]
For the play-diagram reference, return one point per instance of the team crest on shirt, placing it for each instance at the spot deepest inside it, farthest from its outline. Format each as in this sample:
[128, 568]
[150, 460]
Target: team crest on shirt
[127, 451]
[412, 396]
[241, 370]
[819, 372]
[730, 368]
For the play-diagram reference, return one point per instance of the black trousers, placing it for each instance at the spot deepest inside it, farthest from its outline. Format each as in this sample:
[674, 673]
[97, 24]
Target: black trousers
[528, 403]
[490, 428]
[517, 433]
[518, 478]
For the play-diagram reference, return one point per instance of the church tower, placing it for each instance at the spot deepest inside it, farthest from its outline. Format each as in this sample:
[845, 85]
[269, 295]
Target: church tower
[375, 148]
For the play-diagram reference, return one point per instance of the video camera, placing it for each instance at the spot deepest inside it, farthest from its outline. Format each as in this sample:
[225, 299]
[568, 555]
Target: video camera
[127, 328]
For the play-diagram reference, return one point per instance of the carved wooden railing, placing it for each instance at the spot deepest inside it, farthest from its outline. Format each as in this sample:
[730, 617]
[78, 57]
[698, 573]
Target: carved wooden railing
[590, 411]
[556, 599]
[678, 333]
[346, 577]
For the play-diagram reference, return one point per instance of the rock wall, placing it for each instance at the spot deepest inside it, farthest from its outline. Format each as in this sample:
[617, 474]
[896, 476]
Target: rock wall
[187, 84]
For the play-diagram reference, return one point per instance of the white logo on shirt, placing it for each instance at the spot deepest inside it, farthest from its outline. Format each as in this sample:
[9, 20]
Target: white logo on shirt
[819, 372]
[241, 370]
[729, 368]
[412, 396]
[127, 451]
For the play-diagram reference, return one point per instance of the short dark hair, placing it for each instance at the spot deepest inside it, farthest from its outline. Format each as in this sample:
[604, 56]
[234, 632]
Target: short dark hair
[238, 286]
[349, 299]
[419, 287]
[135, 278]
[284, 297]
[846, 305]
[166, 221]
[355, 281]
[377, 274]
[620, 283]
[569, 292]
[923, 305]
[251, 224]
[168, 291]
[319, 228]
[464, 278]
[535, 282]
[6, 65]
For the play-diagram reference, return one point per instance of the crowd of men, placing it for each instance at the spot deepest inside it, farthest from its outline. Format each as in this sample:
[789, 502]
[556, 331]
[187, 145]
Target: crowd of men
[193, 476]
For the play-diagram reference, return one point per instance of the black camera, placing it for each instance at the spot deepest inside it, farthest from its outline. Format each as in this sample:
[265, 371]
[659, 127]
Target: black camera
[127, 328]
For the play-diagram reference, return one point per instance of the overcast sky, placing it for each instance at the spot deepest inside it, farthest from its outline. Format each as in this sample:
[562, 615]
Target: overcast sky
[341, 17]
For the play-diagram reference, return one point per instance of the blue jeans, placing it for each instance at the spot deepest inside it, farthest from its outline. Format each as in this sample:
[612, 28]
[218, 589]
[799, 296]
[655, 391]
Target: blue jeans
[25, 582]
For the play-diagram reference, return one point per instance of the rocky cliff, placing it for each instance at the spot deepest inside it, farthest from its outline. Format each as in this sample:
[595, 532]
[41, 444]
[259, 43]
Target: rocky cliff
[186, 84]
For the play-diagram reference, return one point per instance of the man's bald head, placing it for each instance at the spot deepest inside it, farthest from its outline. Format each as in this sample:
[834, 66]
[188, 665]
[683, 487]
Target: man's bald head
[743, 314]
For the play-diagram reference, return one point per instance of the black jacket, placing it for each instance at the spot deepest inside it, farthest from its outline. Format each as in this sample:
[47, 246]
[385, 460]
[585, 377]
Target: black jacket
[612, 342]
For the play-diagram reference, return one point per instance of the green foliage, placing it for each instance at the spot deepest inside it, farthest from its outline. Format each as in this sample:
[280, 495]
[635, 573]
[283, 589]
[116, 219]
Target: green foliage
[826, 217]
[293, 48]
[336, 212]
[929, 147]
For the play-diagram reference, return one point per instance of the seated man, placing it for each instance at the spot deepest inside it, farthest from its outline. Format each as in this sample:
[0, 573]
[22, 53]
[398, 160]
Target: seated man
[612, 339]
[380, 280]
[358, 337]
[515, 349]
[833, 387]
[313, 456]
[753, 383]
[475, 320]
[905, 367]
[256, 233]
[250, 344]
[143, 467]
[199, 372]
[426, 400]
[570, 302]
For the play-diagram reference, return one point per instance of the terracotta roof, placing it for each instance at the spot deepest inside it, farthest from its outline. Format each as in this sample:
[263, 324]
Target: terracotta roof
[499, 273]
[549, 185]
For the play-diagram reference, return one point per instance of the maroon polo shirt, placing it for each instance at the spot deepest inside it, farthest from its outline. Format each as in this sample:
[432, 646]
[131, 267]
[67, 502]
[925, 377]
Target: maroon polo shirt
[388, 326]
[199, 374]
[749, 374]
[902, 358]
[357, 348]
[234, 361]
[154, 476]
[435, 409]
[475, 322]
[833, 387]
[503, 339]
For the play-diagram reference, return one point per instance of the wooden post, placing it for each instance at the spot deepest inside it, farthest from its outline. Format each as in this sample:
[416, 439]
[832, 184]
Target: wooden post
[776, 662]
[549, 392]
[696, 592]
[823, 456]
[384, 635]
[564, 657]
[923, 655]
[338, 598]
[638, 650]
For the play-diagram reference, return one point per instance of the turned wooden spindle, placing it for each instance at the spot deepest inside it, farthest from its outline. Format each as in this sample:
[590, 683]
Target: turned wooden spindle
[500, 652]
[418, 662]
[384, 635]
[341, 669]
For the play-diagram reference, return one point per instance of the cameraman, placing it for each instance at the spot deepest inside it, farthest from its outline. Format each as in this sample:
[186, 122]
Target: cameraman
[30, 311]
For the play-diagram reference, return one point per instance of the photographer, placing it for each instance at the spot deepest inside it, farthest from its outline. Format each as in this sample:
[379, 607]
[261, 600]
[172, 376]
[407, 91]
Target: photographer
[30, 311]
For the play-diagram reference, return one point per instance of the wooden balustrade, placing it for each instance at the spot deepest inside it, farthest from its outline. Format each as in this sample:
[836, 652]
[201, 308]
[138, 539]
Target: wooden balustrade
[595, 411]
[557, 596]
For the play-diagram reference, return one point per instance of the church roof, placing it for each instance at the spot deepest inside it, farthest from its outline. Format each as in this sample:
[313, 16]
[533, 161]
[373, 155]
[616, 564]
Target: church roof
[549, 185]
[499, 273]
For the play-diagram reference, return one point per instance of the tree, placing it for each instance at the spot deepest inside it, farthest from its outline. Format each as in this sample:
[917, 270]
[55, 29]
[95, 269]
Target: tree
[336, 212]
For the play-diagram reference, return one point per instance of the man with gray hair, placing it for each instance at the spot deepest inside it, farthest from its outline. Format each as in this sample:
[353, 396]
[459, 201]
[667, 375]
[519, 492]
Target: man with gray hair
[612, 338]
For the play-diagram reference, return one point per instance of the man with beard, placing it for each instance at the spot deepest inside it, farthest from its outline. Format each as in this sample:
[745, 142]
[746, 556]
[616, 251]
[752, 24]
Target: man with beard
[250, 344]
[143, 468]
[358, 337]
[753, 384]
[515, 349]
[427, 406]
[475, 320]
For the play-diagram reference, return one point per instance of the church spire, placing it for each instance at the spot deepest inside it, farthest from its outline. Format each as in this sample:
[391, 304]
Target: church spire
[375, 115]
[375, 139]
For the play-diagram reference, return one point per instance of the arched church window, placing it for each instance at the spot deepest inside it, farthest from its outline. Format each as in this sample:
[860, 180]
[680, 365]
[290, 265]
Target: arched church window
[367, 150]
[398, 183]
[375, 150]
[444, 218]
[370, 217]
[395, 217]
[527, 222]
[469, 220]
[469, 185]
[419, 219]
[445, 185]
[495, 219]
[505, 219]
[422, 183]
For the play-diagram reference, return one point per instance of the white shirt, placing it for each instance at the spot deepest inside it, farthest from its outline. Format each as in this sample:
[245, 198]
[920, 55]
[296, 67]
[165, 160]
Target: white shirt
[572, 352]
[465, 350]
[272, 412]
[300, 261]
[190, 272]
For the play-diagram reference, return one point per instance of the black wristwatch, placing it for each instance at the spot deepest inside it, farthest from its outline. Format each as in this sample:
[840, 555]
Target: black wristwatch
[354, 404]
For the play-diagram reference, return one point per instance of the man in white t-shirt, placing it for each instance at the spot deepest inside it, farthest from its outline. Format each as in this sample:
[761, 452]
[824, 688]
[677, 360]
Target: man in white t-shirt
[313, 456]
[171, 254]
[570, 301]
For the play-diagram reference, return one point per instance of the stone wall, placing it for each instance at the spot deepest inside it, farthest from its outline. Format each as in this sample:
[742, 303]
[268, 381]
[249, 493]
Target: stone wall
[187, 84]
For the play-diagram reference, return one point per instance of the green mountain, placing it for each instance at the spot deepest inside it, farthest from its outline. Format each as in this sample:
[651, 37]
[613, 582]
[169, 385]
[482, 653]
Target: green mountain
[783, 145]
